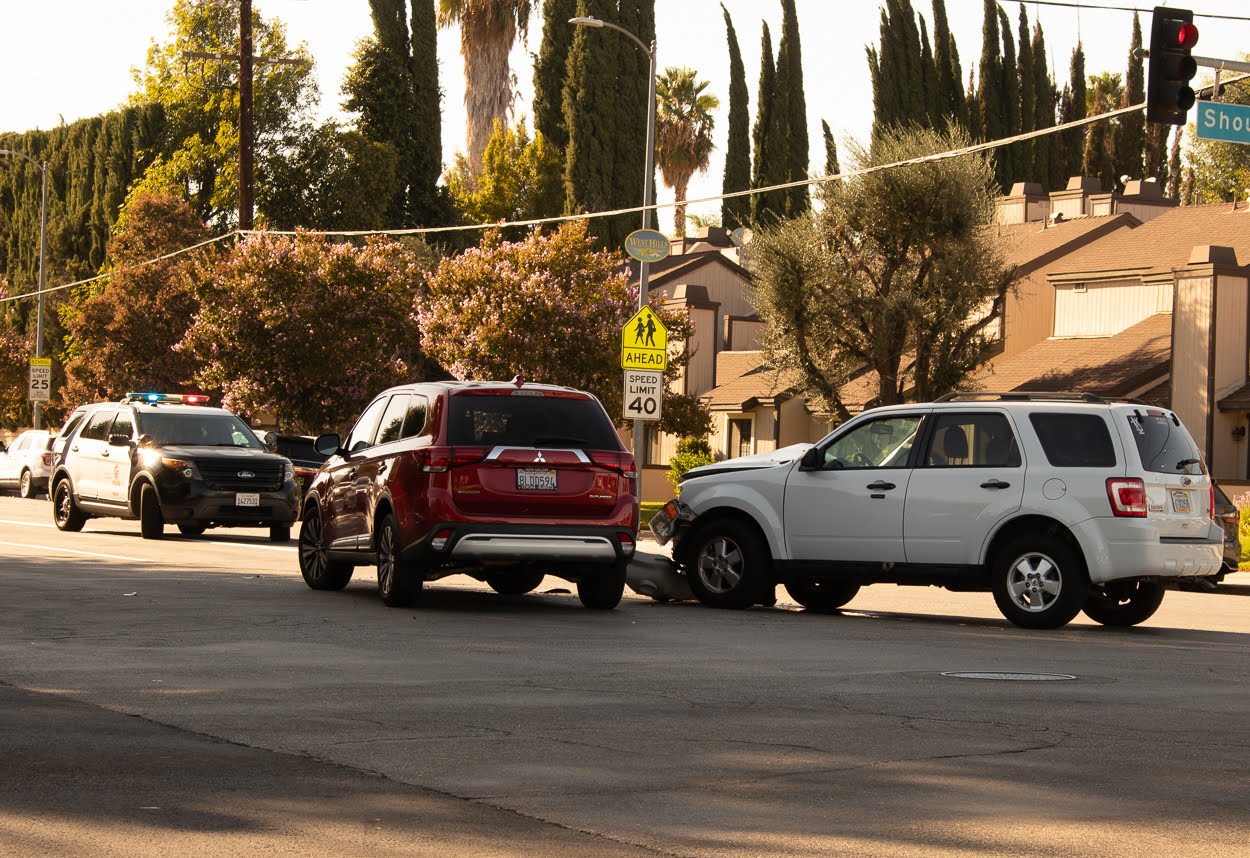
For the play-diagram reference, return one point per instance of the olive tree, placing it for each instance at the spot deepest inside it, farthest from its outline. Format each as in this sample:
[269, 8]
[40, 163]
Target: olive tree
[898, 274]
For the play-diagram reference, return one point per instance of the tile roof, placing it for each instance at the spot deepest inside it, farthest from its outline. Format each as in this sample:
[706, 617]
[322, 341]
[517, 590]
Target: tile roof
[732, 364]
[1024, 243]
[1238, 400]
[1116, 365]
[761, 381]
[1165, 242]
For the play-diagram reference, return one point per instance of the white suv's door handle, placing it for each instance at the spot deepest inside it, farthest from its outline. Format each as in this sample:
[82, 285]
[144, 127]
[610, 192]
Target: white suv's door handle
[880, 486]
[995, 484]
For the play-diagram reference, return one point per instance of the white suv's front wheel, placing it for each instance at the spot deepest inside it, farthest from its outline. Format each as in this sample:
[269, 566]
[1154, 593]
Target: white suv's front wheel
[728, 565]
[1039, 582]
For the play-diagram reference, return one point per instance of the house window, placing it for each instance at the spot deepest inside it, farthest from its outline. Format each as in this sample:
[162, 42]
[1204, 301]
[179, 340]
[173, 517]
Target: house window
[1078, 287]
[658, 452]
[740, 437]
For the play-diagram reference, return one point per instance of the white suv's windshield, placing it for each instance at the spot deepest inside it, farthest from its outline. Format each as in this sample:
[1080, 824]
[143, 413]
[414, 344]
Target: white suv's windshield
[200, 430]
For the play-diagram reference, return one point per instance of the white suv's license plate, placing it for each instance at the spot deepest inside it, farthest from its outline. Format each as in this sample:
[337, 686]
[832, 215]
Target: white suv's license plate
[536, 479]
[247, 499]
[1180, 500]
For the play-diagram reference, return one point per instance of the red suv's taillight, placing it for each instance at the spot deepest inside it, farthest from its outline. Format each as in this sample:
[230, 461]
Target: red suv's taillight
[1127, 496]
[623, 462]
[436, 460]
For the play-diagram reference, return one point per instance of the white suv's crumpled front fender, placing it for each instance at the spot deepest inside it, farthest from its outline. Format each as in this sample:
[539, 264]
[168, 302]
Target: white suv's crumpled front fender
[758, 494]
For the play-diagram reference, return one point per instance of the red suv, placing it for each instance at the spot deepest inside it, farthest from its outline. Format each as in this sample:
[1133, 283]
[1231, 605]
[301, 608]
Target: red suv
[504, 481]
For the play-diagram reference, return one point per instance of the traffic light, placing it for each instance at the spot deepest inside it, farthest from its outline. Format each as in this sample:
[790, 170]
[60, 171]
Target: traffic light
[1172, 66]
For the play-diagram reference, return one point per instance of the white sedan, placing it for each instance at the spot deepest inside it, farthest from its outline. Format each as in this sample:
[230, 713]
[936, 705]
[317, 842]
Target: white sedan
[27, 462]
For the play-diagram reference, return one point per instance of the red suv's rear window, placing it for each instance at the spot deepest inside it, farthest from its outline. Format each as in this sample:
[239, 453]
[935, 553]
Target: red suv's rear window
[530, 421]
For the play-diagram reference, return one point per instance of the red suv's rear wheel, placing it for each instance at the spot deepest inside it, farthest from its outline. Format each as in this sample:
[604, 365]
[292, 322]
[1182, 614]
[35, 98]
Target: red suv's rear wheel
[398, 583]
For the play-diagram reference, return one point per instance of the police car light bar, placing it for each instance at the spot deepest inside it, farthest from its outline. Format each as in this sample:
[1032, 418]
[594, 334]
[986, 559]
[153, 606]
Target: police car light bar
[173, 398]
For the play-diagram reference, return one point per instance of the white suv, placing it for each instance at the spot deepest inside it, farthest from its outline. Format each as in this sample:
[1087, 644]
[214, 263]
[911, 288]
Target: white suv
[1055, 503]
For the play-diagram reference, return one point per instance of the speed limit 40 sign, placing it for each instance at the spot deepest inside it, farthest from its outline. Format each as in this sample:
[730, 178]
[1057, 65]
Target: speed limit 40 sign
[40, 379]
[644, 393]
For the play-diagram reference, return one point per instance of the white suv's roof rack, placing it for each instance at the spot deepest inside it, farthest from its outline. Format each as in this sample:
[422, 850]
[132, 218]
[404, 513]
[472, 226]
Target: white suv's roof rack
[1021, 396]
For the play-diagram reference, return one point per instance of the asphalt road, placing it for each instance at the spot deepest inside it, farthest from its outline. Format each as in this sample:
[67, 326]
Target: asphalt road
[192, 697]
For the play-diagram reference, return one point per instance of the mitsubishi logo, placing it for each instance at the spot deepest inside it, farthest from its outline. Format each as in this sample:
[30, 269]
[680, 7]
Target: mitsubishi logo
[539, 457]
[246, 475]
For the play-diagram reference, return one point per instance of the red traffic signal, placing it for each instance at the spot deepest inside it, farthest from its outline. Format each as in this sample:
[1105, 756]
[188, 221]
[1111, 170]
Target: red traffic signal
[1168, 93]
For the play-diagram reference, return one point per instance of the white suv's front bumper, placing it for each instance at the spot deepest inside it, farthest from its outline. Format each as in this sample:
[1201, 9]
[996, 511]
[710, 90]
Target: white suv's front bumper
[1119, 548]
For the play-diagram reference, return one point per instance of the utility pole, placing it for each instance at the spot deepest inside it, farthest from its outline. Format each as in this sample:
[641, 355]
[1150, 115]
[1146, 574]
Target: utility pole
[247, 129]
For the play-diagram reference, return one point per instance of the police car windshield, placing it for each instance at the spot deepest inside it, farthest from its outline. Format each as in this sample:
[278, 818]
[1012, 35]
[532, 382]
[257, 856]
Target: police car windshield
[197, 430]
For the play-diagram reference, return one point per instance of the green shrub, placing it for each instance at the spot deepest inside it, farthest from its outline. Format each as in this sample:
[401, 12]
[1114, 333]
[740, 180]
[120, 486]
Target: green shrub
[691, 453]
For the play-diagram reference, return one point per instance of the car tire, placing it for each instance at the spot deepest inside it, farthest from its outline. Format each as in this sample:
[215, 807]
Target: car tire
[279, 533]
[515, 583]
[729, 566]
[65, 511]
[26, 485]
[192, 529]
[600, 588]
[319, 571]
[1039, 582]
[821, 596]
[151, 522]
[1124, 603]
[398, 583]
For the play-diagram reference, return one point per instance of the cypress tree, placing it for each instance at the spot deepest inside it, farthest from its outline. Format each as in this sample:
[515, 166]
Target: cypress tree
[1072, 108]
[976, 127]
[898, 79]
[928, 81]
[393, 86]
[549, 69]
[736, 212]
[766, 207]
[1008, 164]
[428, 204]
[1155, 161]
[605, 114]
[1026, 163]
[792, 128]
[949, 77]
[990, 76]
[1045, 149]
[831, 151]
[1131, 127]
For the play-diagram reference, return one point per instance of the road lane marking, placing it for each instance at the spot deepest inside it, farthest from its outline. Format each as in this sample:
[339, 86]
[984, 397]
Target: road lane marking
[25, 523]
[74, 551]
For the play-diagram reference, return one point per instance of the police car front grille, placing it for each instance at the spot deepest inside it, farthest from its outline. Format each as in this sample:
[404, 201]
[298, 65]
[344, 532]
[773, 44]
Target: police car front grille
[225, 476]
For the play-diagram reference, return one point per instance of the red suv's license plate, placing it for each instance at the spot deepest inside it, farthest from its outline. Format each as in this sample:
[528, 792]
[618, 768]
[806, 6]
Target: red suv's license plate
[536, 479]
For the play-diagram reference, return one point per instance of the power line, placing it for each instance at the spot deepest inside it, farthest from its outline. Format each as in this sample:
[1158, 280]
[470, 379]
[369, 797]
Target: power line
[1081, 6]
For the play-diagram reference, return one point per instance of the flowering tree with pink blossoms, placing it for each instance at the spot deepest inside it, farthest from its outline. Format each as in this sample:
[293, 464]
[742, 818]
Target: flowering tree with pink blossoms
[550, 309]
[305, 330]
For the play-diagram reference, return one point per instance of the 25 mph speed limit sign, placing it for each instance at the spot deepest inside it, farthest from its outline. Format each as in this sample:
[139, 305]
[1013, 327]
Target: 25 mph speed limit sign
[40, 379]
[644, 392]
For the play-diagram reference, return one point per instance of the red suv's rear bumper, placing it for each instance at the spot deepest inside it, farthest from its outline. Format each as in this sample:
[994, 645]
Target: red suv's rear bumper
[458, 543]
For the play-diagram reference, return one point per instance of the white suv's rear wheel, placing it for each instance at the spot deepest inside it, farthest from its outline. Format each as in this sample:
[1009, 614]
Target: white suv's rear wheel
[729, 565]
[1039, 582]
[1124, 603]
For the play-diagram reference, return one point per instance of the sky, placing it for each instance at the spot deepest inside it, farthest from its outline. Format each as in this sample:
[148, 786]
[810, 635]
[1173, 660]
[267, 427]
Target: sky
[63, 60]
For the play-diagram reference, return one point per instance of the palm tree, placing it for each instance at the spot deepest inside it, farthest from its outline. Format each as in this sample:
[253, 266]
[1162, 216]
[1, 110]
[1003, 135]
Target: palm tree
[683, 132]
[488, 29]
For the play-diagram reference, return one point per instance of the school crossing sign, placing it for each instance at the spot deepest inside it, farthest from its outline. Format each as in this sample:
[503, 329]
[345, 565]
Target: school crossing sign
[644, 342]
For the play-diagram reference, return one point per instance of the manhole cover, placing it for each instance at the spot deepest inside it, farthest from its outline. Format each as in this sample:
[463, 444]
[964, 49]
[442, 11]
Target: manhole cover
[1009, 677]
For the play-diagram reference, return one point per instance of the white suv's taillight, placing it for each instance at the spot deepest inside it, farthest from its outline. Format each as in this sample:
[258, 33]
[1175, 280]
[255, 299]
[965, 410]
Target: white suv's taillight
[1127, 496]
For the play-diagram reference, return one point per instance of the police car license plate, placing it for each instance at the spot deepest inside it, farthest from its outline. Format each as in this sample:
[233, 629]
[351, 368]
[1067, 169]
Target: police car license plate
[536, 479]
[247, 499]
[1180, 501]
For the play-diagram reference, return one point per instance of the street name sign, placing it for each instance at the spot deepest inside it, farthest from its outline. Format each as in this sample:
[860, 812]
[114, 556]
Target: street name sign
[40, 379]
[1220, 121]
[647, 245]
[644, 342]
[644, 394]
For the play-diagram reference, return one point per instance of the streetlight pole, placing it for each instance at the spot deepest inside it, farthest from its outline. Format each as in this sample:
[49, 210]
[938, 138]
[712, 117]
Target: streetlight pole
[648, 200]
[43, 249]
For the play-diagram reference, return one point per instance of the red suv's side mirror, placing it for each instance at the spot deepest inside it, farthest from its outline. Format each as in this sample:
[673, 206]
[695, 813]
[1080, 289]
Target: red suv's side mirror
[328, 444]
